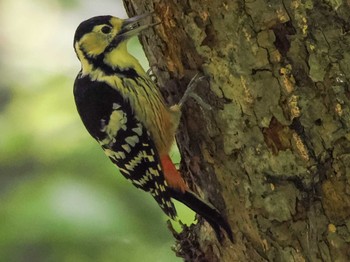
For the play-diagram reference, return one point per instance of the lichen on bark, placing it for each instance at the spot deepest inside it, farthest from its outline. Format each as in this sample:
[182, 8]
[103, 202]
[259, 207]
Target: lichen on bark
[273, 153]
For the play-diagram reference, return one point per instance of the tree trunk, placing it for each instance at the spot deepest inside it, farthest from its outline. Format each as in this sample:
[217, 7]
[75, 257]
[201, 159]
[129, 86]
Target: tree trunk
[273, 152]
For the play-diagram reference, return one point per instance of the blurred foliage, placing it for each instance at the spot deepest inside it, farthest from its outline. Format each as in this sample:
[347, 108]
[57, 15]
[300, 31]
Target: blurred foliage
[61, 198]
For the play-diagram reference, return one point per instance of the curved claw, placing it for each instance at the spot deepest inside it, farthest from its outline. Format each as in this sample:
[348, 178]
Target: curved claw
[190, 91]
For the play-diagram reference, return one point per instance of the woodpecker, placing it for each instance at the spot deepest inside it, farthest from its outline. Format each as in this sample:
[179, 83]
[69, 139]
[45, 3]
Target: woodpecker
[123, 110]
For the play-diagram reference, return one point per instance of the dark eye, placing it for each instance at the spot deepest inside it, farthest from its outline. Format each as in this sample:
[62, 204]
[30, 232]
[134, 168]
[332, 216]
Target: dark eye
[106, 29]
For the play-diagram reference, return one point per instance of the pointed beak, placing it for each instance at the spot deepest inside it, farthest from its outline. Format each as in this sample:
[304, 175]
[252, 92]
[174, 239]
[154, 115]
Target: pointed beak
[134, 25]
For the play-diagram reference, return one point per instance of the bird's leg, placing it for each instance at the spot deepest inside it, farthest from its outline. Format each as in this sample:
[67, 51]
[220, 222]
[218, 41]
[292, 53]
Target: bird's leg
[191, 93]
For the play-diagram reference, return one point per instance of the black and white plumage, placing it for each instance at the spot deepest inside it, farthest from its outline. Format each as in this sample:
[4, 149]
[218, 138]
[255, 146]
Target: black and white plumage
[109, 118]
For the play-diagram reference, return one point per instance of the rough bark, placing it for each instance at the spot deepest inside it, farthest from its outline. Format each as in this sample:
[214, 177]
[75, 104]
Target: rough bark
[273, 153]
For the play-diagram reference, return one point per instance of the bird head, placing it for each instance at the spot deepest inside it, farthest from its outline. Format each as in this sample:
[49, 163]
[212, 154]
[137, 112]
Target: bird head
[102, 34]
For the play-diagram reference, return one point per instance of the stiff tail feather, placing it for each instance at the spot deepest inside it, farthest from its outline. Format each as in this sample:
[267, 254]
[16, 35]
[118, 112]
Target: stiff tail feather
[206, 210]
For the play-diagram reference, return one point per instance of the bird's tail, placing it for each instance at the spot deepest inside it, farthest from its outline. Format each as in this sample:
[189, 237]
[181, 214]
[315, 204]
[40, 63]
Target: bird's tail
[205, 210]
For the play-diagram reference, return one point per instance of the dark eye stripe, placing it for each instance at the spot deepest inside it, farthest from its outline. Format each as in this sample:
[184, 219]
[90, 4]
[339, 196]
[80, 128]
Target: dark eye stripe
[106, 29]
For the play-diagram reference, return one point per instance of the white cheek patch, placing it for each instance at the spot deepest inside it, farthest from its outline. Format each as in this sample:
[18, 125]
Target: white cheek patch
[94, 43]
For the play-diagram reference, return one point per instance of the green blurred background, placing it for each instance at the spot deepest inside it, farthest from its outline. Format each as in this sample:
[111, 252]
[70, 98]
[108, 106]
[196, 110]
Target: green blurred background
[61, 198]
